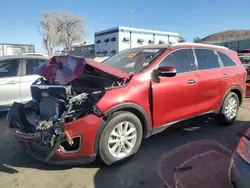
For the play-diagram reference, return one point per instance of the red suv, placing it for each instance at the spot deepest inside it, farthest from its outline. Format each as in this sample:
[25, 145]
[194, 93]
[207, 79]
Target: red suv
[85, 109]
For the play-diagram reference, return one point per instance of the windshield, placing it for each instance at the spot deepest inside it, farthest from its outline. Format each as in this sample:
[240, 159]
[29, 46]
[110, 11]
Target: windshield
[133, 60]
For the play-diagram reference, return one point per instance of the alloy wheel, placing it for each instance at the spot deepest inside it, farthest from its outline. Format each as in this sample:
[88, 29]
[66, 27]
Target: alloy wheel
[231, 109]
[122, 139]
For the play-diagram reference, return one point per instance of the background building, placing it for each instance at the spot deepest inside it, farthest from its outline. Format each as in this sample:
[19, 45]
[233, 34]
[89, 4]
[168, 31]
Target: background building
[86, 50]
[15, 49]
[232, 39]
[111, 41]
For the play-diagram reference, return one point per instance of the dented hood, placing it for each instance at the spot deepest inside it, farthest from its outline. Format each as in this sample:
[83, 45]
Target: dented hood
[64, 69]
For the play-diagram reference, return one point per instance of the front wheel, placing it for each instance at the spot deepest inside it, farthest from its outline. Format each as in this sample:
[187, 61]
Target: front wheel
[121, 137]
[229, 109]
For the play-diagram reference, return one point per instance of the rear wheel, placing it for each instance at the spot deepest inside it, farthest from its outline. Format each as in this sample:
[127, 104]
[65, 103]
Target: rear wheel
[229, 109]
[121, 137]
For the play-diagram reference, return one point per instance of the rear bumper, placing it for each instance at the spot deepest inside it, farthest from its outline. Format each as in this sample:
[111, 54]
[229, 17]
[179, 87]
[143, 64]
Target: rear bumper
[239, 172]
[88, 128]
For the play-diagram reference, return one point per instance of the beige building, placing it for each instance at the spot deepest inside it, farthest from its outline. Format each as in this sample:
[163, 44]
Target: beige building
[16, 49]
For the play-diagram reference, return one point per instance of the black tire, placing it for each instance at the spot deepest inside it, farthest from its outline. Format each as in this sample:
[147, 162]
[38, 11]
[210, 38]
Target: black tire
[221, 117]
[117, 118]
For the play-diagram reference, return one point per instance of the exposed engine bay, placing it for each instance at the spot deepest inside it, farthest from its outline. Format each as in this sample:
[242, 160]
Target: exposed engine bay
[61, 99]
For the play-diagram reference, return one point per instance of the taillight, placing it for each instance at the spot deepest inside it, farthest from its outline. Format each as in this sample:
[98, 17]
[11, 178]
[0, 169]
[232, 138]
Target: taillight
[243, 149]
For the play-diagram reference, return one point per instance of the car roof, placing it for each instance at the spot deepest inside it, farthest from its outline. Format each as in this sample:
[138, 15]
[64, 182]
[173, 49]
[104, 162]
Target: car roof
[22, 57]
[199, 45]
[183, 44]
[154, 46]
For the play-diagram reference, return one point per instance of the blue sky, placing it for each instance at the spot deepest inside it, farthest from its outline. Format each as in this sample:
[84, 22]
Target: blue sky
[190, 18]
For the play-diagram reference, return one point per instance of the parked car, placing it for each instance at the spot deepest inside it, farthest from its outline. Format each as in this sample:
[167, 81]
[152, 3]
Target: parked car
[245, 60]
[16, 78]
[86, 109]
[244, 56]
[239, 170]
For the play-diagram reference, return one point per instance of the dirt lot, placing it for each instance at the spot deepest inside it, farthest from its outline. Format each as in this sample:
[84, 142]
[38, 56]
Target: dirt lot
[196, 144]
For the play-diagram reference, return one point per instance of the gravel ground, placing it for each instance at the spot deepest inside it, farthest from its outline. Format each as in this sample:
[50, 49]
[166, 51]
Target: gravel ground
[149, 168]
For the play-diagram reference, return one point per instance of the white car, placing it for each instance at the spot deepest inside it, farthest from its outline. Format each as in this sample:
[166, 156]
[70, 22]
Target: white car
[16, 77]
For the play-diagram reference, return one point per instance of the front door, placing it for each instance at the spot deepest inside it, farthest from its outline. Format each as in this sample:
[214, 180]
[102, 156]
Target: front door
[10, 70]
[174, 98]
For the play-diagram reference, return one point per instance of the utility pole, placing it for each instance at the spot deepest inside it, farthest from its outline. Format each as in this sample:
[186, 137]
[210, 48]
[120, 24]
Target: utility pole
[130, 17]
[130, 25]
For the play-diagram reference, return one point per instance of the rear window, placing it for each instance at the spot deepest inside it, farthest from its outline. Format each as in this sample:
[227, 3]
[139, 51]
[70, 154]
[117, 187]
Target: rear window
[227, 61]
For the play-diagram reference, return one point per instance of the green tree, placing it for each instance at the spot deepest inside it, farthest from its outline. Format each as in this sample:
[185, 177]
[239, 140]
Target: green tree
[181, 39]
[197, 40]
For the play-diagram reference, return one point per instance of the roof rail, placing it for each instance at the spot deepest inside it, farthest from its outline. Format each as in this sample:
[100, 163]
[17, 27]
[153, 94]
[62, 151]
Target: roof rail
[199, 44]
[36, 54]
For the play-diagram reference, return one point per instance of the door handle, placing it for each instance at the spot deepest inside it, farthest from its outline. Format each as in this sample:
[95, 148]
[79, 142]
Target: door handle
[224, 75]
[191, 81]
[12, 82]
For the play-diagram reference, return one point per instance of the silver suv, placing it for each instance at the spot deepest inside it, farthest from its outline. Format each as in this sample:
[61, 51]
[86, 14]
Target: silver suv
[16, 78]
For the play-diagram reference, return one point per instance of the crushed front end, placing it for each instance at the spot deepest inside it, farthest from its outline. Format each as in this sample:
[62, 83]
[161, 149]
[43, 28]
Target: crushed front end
[66, 120]
[51, 133]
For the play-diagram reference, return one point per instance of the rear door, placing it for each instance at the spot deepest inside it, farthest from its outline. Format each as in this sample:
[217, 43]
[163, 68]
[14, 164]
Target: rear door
[236, 72]
[30, 64]
[212, 80]
[10, 71]
[175, 98]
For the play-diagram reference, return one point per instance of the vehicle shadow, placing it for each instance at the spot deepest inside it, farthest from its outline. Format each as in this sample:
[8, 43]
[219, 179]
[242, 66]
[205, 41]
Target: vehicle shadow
[139, 170]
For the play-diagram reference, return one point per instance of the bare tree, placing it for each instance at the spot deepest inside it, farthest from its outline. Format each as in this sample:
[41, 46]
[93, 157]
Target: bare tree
[59, 28]
[48, 29]
[71, 28]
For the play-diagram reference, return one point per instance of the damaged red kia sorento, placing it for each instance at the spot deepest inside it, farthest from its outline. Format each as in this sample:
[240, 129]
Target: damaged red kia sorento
[85, 109]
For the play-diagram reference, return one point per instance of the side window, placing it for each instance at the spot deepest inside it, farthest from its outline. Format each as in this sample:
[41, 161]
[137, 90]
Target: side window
[226, 60]
[207, 59]
[182, 60]
[32, 64]
[9, 68]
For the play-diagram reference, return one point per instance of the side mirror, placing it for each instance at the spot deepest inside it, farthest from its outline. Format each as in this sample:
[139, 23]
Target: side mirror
[164, 71]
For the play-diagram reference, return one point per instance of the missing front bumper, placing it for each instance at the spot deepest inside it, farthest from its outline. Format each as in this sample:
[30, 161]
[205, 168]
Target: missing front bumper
[30, 139]
[55, 159]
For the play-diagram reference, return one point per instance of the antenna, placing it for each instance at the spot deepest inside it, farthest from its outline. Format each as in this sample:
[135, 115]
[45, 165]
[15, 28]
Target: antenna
[130, 17]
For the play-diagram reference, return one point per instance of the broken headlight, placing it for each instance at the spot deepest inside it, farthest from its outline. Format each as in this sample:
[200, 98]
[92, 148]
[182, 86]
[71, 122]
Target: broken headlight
[96, 111]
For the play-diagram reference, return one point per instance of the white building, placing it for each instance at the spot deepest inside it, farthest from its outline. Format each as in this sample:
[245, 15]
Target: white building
[110, 41]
